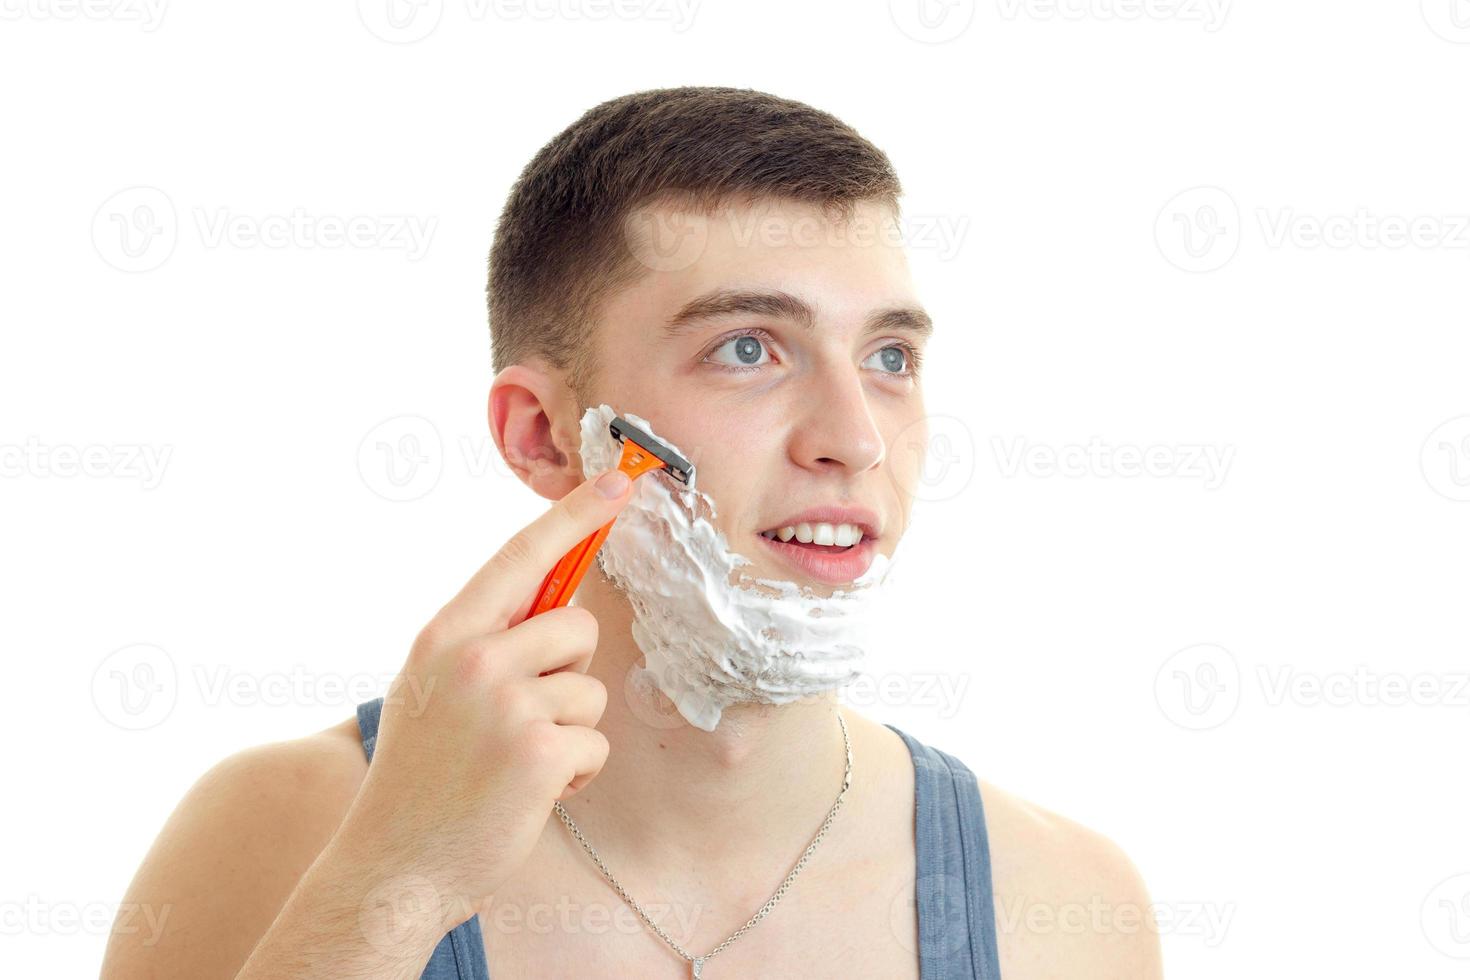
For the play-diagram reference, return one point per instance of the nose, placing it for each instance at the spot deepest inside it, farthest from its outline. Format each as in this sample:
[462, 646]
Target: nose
[835, 429]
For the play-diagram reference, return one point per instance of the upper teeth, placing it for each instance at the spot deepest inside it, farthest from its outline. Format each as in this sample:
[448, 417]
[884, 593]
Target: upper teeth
[840, 535]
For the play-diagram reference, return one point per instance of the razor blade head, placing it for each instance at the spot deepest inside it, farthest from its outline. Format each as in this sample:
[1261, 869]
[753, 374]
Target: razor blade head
[677, 466]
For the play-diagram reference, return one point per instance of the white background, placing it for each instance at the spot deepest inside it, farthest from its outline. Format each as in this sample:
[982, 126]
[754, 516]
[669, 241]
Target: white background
[1179, 225]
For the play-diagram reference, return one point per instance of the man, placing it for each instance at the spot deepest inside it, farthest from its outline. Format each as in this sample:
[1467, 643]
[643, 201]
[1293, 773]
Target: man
[706, 258]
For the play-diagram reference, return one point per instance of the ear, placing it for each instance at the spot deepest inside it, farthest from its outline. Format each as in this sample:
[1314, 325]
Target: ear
[536, 428]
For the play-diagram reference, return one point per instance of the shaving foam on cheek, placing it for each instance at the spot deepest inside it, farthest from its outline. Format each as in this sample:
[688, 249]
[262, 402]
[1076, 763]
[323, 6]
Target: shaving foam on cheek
[711, 635]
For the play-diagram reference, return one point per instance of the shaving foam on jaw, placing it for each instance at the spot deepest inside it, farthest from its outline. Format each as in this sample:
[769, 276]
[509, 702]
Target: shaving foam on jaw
[711, 635]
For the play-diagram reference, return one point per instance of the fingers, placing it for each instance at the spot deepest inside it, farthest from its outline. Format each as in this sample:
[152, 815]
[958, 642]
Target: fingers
[570, 698]
[560, 639]
[588, 750]
[505, 585]
[574, 653]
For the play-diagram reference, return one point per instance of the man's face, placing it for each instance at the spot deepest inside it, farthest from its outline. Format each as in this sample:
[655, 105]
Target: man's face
[777, 413]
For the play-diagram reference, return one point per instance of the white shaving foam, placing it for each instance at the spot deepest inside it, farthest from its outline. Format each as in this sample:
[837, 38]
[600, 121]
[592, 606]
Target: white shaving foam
[712, 636]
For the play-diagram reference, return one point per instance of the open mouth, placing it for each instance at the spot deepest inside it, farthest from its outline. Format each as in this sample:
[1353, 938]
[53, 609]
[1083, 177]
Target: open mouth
[828, 549]
[825, 537]
[847, 557]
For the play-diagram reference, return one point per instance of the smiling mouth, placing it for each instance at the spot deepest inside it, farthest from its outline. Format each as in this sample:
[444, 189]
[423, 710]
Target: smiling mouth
[823, 562]
[826, 549]
[821, 537]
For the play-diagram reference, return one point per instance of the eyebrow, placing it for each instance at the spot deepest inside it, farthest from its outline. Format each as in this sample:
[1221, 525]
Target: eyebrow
[721, 303]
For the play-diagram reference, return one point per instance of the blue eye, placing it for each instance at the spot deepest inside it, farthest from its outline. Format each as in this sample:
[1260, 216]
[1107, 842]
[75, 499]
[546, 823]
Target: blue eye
[899, 360]
[897, 357]
[747, 348]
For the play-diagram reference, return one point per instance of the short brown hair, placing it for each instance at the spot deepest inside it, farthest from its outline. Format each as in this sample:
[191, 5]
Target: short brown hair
[559, 250]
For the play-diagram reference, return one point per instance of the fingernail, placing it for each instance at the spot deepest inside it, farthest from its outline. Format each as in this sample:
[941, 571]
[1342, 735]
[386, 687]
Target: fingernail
[612, 484]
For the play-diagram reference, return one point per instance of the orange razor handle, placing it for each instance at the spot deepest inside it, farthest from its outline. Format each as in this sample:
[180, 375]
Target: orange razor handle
[562, 581]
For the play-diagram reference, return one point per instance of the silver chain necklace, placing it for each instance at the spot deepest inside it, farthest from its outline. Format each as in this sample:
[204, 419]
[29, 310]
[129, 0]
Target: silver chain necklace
[697, 962]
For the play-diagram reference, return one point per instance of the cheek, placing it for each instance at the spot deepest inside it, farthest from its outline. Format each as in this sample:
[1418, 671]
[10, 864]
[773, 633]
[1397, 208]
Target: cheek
[907, 454]
[732, 485]
[721, 442]
[737, 458]
[908, 441]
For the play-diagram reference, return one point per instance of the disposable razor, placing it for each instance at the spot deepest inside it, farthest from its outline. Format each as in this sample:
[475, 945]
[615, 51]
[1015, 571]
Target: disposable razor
[641, 453]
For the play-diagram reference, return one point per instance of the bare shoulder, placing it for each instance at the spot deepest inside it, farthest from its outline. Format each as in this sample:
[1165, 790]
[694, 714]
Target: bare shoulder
[1068, 900]
[230, 853]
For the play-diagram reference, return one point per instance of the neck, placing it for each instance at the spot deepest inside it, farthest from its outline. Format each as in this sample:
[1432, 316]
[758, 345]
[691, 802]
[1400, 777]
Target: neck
[747, 796]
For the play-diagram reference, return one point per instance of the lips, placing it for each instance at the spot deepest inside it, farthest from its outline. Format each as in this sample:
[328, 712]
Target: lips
[833, 566]
[861, 518]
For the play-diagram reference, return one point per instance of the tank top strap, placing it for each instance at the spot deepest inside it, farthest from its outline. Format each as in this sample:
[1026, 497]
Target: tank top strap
[956, 904]
[460, 955]
[956, 900]
[368, 715]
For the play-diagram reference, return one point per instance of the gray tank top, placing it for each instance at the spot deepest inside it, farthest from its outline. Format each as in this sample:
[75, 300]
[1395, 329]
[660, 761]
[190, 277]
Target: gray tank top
[952, 891]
